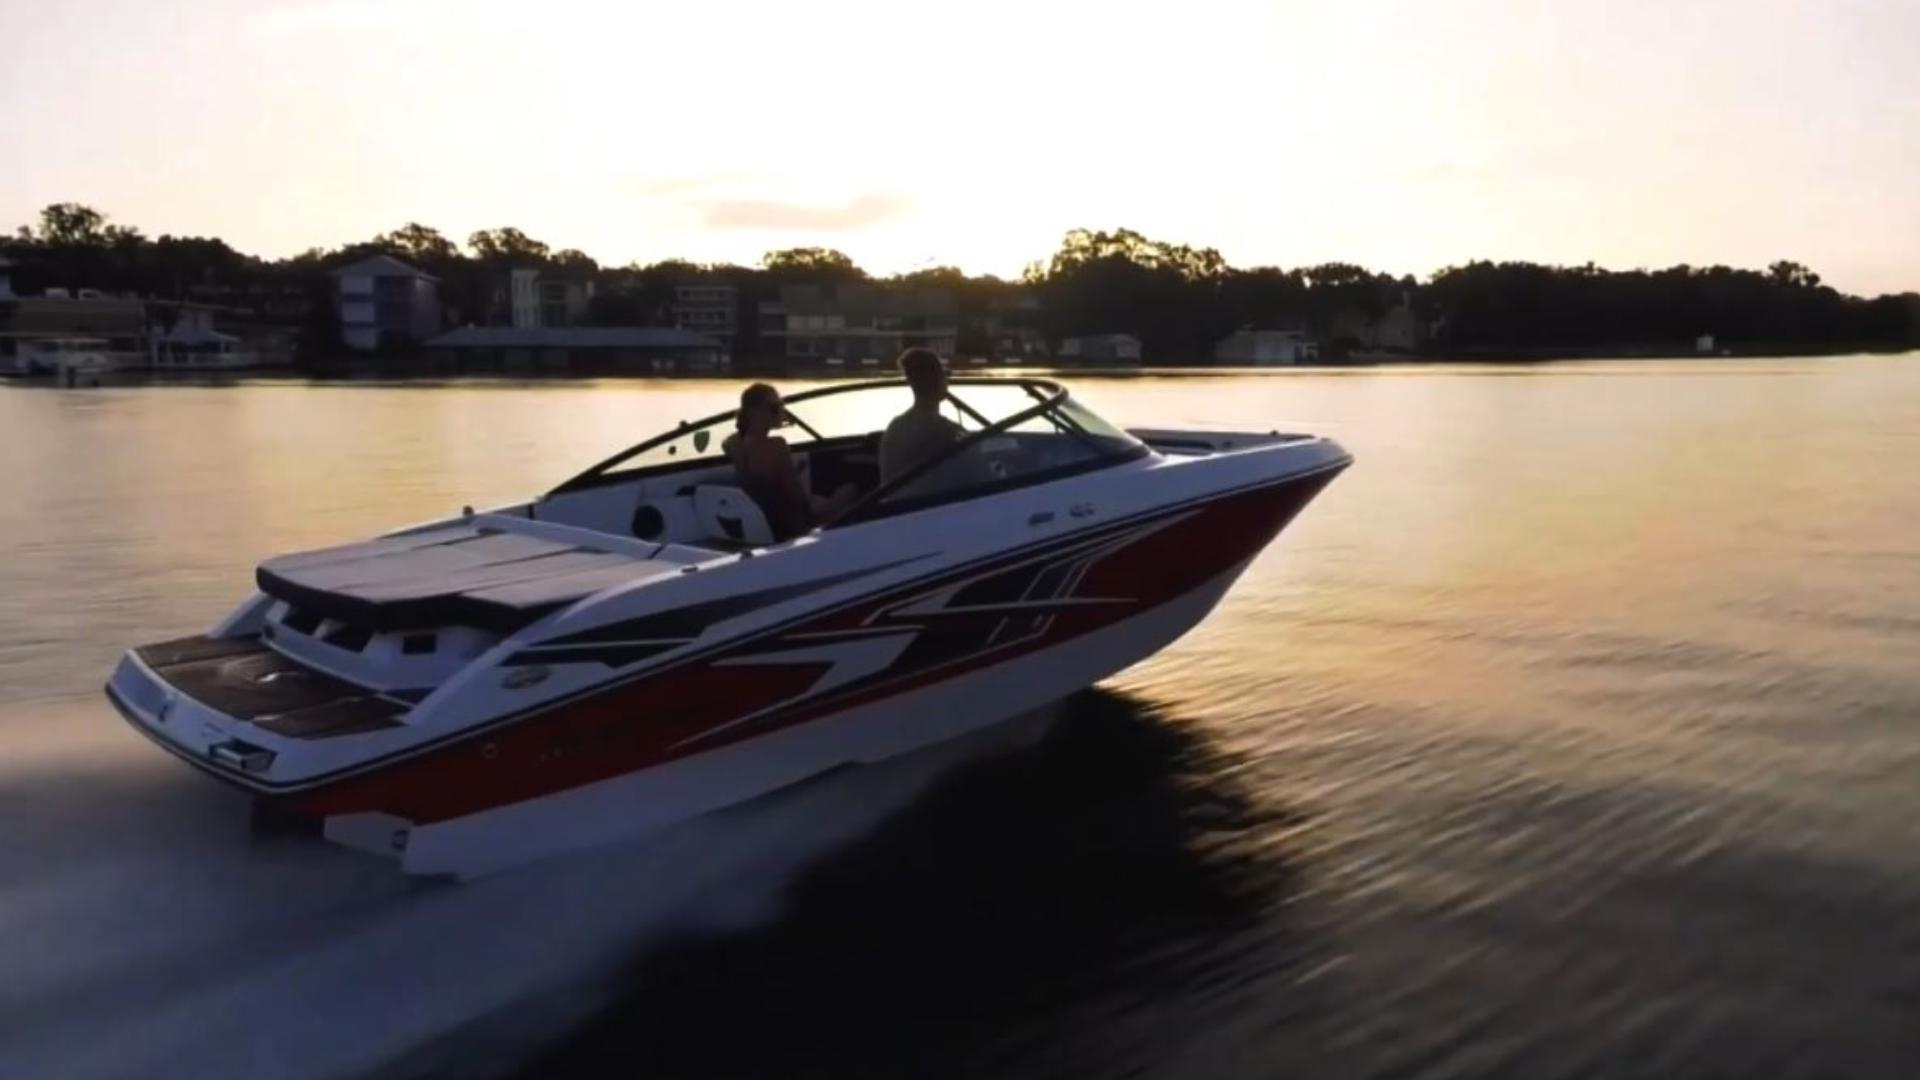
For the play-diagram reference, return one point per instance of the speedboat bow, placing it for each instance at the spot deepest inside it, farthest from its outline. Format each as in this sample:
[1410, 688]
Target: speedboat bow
[635, 648]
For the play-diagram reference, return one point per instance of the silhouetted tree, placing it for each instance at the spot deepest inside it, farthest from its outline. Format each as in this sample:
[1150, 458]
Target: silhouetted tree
[71, 224]
[1528, 308]
[812, 264]
[1081, 247]
[1169, 295]
[1793, 274]
[418, 243]
[506, 244]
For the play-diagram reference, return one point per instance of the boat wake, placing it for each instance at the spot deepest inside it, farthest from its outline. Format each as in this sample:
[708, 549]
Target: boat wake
[1049, 913]
[152, 932]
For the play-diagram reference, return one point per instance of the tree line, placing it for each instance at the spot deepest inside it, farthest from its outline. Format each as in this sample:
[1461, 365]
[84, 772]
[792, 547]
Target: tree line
[1179, 300]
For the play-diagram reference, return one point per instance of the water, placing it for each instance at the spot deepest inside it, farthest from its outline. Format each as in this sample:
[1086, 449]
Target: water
[1573, 732]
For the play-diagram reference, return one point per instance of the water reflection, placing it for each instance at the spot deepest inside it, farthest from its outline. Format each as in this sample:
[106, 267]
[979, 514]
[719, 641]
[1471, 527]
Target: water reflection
[1102, 870]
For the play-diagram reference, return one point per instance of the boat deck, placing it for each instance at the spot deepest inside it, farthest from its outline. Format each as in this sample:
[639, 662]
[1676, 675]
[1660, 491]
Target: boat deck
[493, 573]
[247, 680]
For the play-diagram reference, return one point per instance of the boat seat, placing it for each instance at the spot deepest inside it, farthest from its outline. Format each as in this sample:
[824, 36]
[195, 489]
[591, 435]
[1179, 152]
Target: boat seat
[730, 514]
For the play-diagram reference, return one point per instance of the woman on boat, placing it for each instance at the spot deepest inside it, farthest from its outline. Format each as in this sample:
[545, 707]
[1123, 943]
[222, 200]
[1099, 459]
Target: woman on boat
[765, 470]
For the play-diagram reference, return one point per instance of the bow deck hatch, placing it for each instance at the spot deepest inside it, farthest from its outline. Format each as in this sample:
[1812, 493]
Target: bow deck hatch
[470, 575]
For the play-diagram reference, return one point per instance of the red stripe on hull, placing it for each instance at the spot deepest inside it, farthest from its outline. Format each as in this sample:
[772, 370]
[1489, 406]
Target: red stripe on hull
[687, 709]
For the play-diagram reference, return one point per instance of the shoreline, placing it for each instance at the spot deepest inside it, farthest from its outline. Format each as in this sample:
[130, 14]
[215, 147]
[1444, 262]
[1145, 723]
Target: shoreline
[388, 372]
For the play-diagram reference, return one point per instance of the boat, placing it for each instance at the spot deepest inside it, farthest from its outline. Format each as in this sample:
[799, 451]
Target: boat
[634, 647]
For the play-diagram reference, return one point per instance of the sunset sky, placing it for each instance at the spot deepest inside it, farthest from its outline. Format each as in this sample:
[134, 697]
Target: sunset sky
[1403, 136]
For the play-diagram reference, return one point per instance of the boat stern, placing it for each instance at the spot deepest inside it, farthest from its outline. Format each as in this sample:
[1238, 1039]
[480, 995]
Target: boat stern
[202, 736]
[242, 712]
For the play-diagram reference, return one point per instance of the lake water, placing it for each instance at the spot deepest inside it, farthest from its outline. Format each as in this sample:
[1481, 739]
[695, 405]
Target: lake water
[1575, 731]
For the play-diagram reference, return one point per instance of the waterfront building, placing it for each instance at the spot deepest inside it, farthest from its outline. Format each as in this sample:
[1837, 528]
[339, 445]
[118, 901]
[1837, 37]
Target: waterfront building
[1250, 347]
[547, 298]
[1099, 349]
[861, 325]
[115, 329]
[1010, 328]
[383, 303]
[1396, 331]
[578, 349]
[182, 337]
[709, 309]
[124, 333]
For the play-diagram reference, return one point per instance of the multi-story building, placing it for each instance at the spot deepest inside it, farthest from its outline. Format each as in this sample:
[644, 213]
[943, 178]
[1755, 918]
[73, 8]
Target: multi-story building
[1009, 328]
[542, 298]
[707, 309]
[384, 303]
[578, 349]
[857, 324]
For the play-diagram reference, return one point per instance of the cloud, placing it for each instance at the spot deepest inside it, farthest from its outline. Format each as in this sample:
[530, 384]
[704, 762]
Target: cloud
[739, 200]
[666, 187]
[861, 212]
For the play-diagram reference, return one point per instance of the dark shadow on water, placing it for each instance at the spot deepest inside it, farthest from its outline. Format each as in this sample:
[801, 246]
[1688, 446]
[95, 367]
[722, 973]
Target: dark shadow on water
[1108, 868]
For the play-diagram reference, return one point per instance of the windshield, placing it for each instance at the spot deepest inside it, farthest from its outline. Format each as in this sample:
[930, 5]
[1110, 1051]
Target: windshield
[1053, 437]
[1049, 430]
[1096, 427]
[870, 409]
[856, 412]
[691, 443]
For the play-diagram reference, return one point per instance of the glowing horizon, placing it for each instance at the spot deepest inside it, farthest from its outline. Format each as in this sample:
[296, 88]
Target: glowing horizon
[1400, 136]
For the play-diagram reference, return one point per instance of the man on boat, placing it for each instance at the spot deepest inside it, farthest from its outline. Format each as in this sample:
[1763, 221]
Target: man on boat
[920, 433]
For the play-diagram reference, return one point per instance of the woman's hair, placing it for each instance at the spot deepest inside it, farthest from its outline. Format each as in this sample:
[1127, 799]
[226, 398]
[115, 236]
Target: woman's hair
[758, 394]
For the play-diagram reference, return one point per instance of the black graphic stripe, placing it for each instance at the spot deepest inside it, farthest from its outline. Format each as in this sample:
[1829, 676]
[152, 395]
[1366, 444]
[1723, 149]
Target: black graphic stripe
[689, 621]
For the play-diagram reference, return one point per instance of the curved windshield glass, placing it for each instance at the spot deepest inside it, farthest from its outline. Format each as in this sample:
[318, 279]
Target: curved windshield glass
[1008, 429]
[990, 403]
[856, 412]
[1057, 437]
[691, 443]
[869, 409]
[1096, 427]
